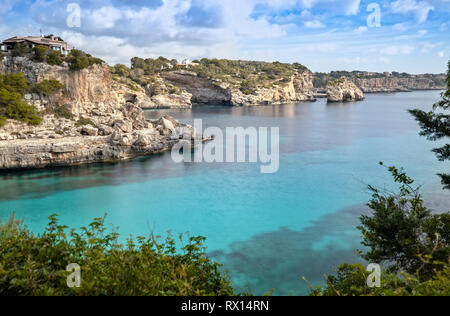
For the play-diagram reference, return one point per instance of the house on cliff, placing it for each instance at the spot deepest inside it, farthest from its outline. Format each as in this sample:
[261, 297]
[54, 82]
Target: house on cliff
[54, 43]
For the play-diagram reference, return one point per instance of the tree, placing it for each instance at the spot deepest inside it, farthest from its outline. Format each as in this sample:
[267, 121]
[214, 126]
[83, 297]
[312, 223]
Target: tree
[12, 88]
[50, 88]
[435, 125]
[78, 60]
[55, 58]
[402, 231]
[404, 237]
[40, 53]
[15, 83]
[20, 50]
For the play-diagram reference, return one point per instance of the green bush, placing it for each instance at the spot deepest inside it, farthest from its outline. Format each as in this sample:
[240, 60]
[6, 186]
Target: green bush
[2, 121]
[63, 112]
[79, 60]
[15, 83]
[36, 264]
[49, 87]
[55, 58]
[12, 87]
[121, 70]
[351, 280]
[22, 111]
[407, 239]
[21, 50]
[82, 121]
[40, 53]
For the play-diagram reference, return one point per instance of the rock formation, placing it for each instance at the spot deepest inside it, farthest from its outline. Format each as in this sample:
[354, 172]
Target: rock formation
[372, 82]
[394, 84]
[343, 90]
[99, 125]
[207, 91]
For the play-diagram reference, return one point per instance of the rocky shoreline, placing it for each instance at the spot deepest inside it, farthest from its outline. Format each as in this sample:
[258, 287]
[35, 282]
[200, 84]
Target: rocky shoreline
[100, 118]
[35, 153]
[98, 124]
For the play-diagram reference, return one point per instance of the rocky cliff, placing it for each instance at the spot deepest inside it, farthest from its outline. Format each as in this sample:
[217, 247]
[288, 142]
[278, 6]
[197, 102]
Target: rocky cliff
[343, 90]
[372, 82]
[210, 91]
[98, 123]
[393, 84]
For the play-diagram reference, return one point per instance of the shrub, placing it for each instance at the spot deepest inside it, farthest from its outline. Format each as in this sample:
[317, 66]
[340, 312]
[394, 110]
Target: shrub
[40, 53]
[12, 87]
[14, 83]
[78, 60]
[49, 87]
[61, 111]
[350, 280]
[2, 121]
[248, 87]
[21, 50]
[121, 70]
[36, 264]
[21, 111]
[82, 121]
[406, 238]
[55, 58]
[402, 231]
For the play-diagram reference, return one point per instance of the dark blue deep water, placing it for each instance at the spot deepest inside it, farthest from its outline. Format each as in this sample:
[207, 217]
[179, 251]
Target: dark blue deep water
[267, 229]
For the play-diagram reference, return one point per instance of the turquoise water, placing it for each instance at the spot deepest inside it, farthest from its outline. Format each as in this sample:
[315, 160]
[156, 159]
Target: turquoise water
[267, 229]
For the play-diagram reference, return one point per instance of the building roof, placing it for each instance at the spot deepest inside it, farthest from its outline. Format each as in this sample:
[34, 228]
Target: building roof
[38, 40]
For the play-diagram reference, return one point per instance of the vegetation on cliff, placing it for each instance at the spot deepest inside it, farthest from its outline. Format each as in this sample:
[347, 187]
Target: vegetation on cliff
[36, 264]
[76, 59]
[248, 76]
[12, 89]
[79, 60]
[435, 126]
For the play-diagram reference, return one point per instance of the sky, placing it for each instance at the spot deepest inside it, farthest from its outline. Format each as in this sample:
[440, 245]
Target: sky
[402, 35]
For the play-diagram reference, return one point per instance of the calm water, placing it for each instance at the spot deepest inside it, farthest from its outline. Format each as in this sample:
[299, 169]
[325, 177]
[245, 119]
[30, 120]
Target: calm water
[267, 230]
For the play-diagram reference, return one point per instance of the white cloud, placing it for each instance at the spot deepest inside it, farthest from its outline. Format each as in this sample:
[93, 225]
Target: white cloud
[361, 30]
[397, 50]
[315, 24]
[420, 9]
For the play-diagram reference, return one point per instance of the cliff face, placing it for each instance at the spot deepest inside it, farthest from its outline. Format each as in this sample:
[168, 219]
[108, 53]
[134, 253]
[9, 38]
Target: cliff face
[101, 126]
[85, 89]
[205, 91]
[343, 90]
[370, 82]
[393, 84]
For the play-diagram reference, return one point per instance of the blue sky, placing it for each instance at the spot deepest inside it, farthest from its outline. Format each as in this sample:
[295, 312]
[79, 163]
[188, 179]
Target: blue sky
[413, 36]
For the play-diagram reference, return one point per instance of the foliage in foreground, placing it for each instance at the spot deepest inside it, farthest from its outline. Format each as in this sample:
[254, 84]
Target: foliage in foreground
[36, 264]
[351, 280]
[407, 239]
[435, 125]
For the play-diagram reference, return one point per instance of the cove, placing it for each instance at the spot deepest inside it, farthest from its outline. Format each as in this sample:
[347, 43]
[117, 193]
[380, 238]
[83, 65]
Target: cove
[267, 229]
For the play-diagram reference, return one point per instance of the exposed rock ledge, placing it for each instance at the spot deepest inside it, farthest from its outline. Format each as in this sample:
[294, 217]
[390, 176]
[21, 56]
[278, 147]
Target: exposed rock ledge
[34, 153]
[344, 90]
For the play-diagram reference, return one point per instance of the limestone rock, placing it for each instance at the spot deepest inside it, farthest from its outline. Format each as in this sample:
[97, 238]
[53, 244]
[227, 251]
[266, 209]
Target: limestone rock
[343, 90]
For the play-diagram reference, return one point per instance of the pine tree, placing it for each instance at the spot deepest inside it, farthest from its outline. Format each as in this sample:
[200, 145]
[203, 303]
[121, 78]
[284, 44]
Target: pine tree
[435, 125]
